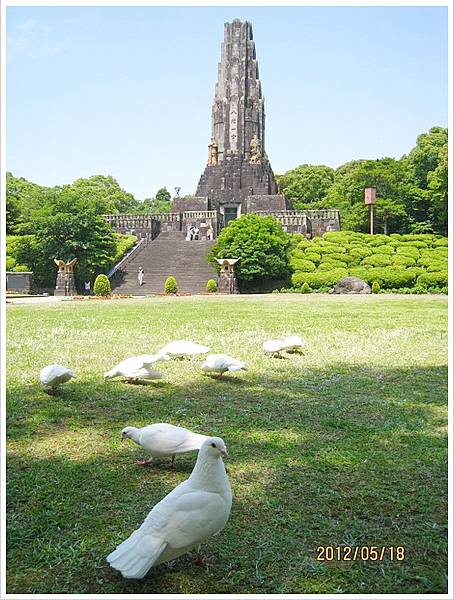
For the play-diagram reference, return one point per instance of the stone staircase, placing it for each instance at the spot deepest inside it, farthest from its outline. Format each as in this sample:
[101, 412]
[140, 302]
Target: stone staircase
[168, 254]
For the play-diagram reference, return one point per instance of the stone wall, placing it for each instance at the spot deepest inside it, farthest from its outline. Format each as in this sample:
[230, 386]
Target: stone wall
[19, 281]
[273, 202]
[181, 205]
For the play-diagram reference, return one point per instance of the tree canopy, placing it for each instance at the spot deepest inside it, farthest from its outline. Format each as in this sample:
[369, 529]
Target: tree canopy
[415, 188]
[307, 185]
[261, 245]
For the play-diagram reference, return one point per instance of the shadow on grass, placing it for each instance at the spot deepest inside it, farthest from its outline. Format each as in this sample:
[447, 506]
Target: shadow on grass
[352, 456]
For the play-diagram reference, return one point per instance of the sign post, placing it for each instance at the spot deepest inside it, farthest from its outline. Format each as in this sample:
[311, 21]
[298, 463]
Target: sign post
[370, 200]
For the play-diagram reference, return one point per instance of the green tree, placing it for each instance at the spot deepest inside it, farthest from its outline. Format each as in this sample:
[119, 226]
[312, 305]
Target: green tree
[425, 156]
[69, 226]
[306, 186]
[160, 204]
[438, 190]
[261, 245]
[22, 199]
[389, 217]
[105, 194]
[163, 195]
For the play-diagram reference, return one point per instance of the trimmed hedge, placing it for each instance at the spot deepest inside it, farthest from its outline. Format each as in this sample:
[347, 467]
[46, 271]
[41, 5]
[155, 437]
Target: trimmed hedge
[439, 279]
[397, 262]
[299, 264]
[377, 260]
[319, 279]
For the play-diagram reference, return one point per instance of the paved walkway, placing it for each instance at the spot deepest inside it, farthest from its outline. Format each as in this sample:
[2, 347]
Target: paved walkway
[36, 299]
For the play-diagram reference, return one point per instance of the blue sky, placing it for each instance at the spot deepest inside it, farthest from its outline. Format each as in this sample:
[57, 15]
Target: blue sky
[127, 91]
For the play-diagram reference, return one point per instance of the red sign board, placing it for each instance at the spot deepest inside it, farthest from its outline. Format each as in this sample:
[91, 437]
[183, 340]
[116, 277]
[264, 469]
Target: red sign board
[369, 195]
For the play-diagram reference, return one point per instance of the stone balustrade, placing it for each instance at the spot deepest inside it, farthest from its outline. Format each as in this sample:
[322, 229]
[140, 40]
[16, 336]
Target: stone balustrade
[166, 217]
[307, 222]
[199, 215]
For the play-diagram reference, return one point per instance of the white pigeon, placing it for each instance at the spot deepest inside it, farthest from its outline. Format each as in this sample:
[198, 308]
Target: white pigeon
[292, 342]
[54, 375]
[137, 367]
[273, 347]
[195, 510]
[163, 439]
[220, 363]
[182, 348]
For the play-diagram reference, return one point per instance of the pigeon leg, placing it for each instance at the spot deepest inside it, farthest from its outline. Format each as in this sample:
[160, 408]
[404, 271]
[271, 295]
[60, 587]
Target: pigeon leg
[144, 463]
[201, 559]
[173, 462]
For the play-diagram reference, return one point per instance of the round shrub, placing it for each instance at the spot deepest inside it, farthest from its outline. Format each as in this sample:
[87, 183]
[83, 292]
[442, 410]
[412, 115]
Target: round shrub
[377, 260]
[303, 244]
[403, 261]
[385, 249]
[408, 251]
[212, 286]
[312, 256]
[416, 271]
[302, 265]
[436, 267]
[339, 256]
[360, 252]
[416, 244]
[10, 263]
[396, 277]
[329, 265]
[427, 261]
[319, 279]
[102, 286]
[325, 249]
[377, 239]
[21, 269]
[368, 274]
[297, 253]
[418, 237]
[306, 288]
[336, 236]
[440, 242]
[170, 286]
[439, 279]
[375, 287]
[387, 277]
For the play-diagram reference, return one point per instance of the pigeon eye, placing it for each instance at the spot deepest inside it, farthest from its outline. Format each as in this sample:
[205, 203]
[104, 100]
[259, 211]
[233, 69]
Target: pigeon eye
[213, 445]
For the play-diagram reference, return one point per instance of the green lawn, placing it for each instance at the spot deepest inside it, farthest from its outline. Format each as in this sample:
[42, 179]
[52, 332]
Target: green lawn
[344, 444]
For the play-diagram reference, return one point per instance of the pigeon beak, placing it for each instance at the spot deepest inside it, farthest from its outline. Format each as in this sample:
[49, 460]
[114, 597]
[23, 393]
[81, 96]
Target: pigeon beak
[224, 452]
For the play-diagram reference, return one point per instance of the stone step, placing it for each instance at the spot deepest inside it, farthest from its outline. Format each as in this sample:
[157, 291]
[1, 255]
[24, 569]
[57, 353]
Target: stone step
[170, 254]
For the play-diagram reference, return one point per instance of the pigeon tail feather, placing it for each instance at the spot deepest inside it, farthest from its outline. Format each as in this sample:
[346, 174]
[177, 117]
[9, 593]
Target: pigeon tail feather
[129, 558]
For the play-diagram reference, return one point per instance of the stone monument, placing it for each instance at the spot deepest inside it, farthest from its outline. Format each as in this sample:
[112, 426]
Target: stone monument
[238, 177]
[227, 283]
[65, 285]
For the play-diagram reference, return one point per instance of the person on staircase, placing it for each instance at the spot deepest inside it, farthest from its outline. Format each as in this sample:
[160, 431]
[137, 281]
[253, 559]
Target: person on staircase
[140, 274]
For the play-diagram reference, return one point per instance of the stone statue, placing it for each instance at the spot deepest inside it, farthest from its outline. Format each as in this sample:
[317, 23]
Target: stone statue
[66, 285]
[212, 152]
[256, 153]
[65, 267]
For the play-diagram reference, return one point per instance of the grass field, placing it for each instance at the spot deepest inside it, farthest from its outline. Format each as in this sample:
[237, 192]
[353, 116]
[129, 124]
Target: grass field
[344, 444]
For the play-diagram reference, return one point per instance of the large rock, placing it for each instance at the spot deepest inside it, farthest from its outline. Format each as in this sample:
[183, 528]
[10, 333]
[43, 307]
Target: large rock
[351, 285]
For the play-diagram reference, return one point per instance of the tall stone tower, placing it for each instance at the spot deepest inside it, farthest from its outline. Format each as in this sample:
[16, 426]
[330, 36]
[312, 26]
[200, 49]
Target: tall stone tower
[238, 177]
